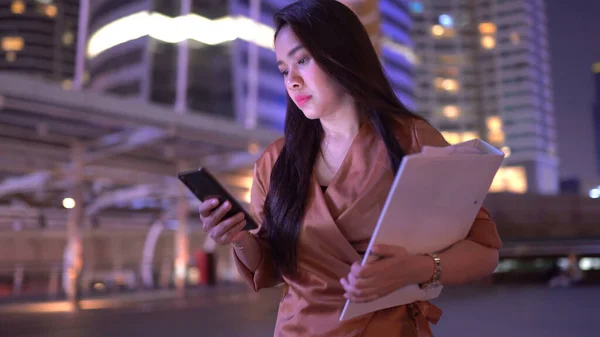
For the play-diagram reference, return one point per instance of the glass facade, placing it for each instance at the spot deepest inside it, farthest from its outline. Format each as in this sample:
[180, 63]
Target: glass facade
[484, 70]
[218, 72]
[38, 38]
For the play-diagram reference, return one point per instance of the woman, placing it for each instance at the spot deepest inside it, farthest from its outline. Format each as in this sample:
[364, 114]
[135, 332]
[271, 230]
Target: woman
[319, 190]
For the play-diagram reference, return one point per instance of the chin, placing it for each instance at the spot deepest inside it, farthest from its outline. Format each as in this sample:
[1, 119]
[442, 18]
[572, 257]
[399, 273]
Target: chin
[310, 114]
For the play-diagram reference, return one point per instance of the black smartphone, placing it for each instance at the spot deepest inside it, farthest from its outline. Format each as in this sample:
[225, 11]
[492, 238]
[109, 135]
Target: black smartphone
[205, 186]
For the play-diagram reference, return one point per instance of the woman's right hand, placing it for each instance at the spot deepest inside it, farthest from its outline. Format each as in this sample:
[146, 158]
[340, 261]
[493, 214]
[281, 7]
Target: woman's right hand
[222, 231]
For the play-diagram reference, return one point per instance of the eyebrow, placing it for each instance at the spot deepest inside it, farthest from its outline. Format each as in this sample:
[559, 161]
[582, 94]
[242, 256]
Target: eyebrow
[292, 52]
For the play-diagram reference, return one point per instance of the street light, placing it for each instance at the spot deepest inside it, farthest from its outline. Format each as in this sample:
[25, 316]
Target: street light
[68, 203]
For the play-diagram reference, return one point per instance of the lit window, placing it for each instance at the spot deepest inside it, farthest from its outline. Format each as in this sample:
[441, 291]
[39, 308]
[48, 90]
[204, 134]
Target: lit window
[437, 30]
[17, 7]
[447, 84]
[494, 123]
[496, 137]
[488, 42]
[506, 151]
[416, 7]
[466, 136]
[495, 132]
[50, 10]
[12, 43]
[253, 148]
[67, 38]
[458, 137]
[451, 111]
[510, 179]
[11, 57]
[450, 85]
[451, 137]
[446, 20]
[487, 28]
[515, 38]
[67, 84]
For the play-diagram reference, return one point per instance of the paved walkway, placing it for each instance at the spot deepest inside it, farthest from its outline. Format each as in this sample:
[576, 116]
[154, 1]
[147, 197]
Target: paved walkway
[469, 312]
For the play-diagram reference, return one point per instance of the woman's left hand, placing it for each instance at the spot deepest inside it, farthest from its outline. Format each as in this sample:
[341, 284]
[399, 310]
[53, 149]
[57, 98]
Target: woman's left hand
[394, 269]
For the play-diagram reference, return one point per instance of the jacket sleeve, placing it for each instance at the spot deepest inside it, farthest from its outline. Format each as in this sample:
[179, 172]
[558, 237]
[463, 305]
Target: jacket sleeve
[265, 275]
[483, 230]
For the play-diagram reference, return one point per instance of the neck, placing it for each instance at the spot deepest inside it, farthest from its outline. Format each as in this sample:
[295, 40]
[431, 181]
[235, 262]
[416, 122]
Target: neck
[342, 125]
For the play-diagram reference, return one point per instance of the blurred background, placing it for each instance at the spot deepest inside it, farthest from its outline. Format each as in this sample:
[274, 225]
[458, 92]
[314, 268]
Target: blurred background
[102, 102]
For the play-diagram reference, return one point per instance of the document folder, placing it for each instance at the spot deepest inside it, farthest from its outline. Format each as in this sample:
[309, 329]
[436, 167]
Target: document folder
[432, 204]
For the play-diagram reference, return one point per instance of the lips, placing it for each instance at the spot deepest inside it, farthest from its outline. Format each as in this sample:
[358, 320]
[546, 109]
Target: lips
[302, 99]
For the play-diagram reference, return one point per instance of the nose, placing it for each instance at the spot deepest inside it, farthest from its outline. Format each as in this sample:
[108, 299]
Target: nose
[294, 80]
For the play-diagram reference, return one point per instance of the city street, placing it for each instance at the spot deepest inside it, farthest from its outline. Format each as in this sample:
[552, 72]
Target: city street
[469, 312]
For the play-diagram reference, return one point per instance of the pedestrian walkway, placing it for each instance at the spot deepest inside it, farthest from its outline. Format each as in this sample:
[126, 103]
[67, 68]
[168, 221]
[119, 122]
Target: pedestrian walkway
[495, 311]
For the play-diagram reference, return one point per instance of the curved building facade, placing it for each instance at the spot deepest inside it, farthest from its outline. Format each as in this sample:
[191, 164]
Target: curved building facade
[198, 55]
[188, 54]
[38, 38]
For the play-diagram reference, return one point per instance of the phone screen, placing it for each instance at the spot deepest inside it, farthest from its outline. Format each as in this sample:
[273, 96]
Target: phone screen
[204, 186]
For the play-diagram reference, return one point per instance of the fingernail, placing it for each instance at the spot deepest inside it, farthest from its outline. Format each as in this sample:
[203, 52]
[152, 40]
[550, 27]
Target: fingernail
[213, 202]
[227, 204]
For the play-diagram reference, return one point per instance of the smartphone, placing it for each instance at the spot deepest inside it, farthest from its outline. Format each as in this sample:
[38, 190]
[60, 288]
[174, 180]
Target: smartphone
[205, 186]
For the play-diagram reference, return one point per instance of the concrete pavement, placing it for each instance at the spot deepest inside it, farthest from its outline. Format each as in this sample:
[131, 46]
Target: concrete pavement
[497, 311]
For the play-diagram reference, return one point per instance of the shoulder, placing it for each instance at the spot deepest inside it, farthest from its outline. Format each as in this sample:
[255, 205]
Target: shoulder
[269, 156]
[264, 164]
[415, 132]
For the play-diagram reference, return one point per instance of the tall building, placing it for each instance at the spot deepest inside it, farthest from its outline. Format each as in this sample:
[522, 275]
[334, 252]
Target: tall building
[195, 55]
[39, 38]
[483, 71]
[596, 70]
[388, 22]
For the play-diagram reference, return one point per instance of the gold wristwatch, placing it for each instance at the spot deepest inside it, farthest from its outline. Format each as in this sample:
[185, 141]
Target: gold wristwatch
[434, 282]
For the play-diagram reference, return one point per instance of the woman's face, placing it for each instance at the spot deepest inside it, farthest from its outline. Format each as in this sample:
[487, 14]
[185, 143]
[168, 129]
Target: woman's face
[312, 90]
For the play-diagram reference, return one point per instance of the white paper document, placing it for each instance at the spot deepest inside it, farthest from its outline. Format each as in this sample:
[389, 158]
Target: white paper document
[432, 204]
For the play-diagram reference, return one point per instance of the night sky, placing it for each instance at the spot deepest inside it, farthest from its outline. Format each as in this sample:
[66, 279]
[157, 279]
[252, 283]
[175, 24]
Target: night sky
[574, 30]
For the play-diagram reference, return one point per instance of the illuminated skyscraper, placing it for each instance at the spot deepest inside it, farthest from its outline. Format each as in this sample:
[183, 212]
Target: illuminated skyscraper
[483, 71]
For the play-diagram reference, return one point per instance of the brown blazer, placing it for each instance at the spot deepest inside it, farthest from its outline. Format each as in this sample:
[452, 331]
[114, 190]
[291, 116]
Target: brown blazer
[338, 224]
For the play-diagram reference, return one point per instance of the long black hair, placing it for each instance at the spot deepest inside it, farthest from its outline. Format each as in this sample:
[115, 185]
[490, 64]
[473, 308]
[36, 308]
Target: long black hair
[339, 43]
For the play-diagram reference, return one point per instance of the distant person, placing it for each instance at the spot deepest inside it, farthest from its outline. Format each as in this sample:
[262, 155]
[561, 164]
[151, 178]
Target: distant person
[571, 275]
[318, 191]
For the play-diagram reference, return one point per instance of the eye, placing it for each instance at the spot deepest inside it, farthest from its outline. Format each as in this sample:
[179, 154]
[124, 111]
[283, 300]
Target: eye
[284, 72]
[303, 60]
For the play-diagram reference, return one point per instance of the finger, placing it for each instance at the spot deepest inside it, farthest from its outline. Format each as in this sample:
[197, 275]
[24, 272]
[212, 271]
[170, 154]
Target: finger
[366, 271]
[206, 207]
[359, 295]
[357, 292]
[385, 250]
[217, 215]
[373, 257]
[226, 225]
[364, 285]
[356, 268]
[345, 283]
[227, 237]
[370, 270]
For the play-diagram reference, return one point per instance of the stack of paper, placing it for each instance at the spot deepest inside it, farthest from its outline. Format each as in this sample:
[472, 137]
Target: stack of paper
[432, 204]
